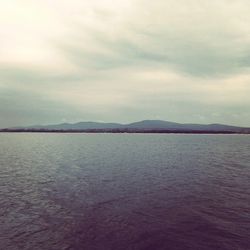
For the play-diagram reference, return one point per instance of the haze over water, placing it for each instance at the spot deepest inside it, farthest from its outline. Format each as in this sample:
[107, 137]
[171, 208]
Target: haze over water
[124, 191]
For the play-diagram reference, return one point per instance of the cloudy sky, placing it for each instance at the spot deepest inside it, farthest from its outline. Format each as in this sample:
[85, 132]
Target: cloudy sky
[124, 60]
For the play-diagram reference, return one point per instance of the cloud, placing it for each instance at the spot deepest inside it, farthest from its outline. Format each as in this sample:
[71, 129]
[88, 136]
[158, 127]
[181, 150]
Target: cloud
[125, 60]
[202, 39]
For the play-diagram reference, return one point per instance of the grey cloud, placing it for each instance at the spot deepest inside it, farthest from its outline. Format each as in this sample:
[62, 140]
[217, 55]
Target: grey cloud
[25, 76]
[29, 108]
[195, 56]
[127, 56]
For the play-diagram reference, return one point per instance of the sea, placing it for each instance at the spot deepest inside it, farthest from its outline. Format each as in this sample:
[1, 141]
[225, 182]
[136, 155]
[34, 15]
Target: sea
[124, 191]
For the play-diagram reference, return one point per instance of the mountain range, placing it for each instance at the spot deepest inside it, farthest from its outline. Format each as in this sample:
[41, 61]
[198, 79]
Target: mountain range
[144, 126]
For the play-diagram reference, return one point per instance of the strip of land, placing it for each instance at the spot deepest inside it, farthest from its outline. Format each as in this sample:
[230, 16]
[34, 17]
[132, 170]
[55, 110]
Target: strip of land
[146, 126]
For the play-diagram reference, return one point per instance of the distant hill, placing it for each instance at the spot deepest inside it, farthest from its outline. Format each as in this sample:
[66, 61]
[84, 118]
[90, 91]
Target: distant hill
[146, 126]
[79, 125]
[158, 124]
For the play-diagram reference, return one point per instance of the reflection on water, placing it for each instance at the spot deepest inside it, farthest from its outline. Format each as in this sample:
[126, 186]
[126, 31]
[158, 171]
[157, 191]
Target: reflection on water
[124, 191]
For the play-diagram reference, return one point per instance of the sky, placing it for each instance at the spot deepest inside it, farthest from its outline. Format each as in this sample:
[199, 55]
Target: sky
[185, 61]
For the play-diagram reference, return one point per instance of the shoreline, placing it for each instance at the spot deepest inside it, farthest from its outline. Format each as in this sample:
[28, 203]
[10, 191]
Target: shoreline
[111, 131]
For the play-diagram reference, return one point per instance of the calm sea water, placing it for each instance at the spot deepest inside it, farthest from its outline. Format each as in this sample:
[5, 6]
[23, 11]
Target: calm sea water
[124, 191]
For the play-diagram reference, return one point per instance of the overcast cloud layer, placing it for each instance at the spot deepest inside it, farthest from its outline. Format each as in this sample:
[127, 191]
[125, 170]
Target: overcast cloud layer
[124, 60]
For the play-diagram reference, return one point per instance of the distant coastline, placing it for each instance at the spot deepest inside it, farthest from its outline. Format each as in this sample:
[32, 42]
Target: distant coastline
[124, 131]
[146, 126]
[99, 131]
